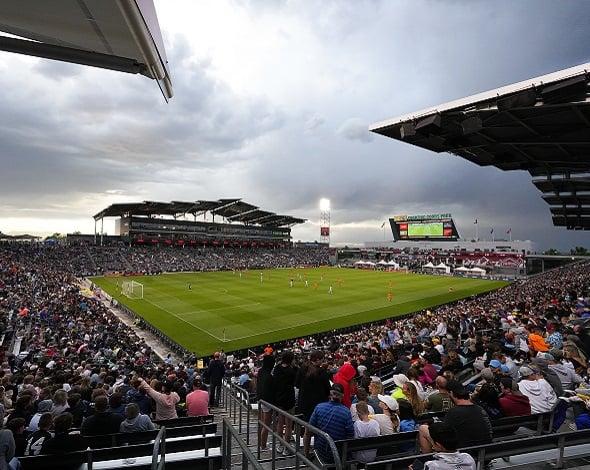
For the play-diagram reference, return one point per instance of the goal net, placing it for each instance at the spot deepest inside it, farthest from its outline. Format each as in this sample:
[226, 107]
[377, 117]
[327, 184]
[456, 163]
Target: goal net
[132, 289]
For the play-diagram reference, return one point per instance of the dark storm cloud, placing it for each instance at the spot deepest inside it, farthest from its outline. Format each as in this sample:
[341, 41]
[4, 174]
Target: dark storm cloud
[68, 132]
[60, 142]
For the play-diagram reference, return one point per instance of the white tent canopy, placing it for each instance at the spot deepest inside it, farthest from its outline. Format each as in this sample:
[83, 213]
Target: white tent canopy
[462, 269]
[428, 265]
[383, 263]
[478, 270]
[441, 266]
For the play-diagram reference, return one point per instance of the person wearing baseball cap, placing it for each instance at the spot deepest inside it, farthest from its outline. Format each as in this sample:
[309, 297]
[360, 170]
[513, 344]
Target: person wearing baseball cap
[388, 420]
[334, 419]
[537, 389]
[399, 380]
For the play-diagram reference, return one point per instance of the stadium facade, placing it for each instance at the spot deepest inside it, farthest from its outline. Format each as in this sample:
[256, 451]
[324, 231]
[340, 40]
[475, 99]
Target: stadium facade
[498, 246]
[176, 223]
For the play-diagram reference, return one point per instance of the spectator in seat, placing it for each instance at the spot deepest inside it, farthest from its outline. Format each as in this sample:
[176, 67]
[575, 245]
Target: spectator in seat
[399, 380]
[375, 389]
[60, 402]
[512, 402]
[445, 444]
[197, 402]
[116, 404]
[540, 366]
[102, 421]
[134, 421]
[165, 401]
[35, 440]
[77, 408]
[388, 420]
[566, 373]
[440, 400]
[333, 418]
[17, 426]
[361, 396]
[538, 390]
[64, 440]
[365, 427]
[7, 448]
[536, 341]
[42, 408]
[583, 337]
[470, 421]
[22, 408]
[138, 395]
[215, 373]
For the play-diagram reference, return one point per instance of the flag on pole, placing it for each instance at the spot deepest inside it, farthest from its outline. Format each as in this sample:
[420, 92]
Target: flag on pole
[475, 223]
[509, 230]
[383, 225]
[492, 230]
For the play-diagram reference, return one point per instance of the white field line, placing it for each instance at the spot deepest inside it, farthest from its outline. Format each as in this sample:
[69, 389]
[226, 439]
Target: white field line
[307, 323]
[220, 308]
[185, 321]
[313, 322]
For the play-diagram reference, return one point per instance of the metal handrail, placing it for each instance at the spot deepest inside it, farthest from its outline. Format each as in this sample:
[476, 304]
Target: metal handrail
[159, 449]
[230, 433]
[300, 456]
[236, 400]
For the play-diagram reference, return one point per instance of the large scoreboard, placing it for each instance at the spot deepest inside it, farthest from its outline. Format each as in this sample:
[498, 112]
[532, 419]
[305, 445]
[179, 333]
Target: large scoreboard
[424, 227]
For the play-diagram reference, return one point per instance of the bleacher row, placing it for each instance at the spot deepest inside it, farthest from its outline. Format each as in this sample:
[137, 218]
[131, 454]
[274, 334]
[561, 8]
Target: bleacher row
[189, 443]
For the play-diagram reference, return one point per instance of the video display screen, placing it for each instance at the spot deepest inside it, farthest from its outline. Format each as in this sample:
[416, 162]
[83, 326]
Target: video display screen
[424, 227]
[425, 230]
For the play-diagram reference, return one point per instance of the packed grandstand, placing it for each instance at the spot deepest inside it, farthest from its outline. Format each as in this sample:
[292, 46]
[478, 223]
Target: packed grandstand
[72, 370]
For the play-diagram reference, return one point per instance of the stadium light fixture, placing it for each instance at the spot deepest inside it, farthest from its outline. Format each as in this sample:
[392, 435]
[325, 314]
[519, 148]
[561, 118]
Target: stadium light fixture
[324, 204]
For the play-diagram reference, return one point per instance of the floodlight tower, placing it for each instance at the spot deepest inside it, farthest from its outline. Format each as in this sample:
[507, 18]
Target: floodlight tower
[325, 221]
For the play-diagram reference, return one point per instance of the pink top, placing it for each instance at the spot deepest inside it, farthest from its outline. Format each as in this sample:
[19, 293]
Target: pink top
[197, 403]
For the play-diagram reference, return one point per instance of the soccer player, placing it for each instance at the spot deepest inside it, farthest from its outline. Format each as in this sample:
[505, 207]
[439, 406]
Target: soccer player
[330, 291]
[389, 296]
[315, 286]
[306, 284]
[291, 282]
[451, 289]
[190, 287]
[260, 278]
[240, 274]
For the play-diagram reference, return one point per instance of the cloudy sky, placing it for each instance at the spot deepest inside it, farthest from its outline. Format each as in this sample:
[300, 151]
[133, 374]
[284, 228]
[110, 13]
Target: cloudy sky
[272, 104]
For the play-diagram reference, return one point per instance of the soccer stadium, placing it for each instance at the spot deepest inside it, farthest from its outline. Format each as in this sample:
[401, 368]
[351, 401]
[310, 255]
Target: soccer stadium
[210, 333]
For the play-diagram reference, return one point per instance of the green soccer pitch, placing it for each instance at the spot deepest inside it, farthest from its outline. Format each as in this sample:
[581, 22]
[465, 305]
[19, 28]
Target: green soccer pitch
[229, 311]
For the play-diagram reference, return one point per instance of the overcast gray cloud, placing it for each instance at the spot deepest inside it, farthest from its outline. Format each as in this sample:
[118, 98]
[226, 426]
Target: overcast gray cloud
[272, 103]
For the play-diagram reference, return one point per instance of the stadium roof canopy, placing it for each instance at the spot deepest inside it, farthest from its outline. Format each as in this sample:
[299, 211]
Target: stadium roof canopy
[121, 35]
[233, 210]
[541, 125]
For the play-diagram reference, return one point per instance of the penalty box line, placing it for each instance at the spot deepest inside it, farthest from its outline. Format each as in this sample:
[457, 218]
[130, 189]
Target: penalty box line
[308, 323]
[185, 321]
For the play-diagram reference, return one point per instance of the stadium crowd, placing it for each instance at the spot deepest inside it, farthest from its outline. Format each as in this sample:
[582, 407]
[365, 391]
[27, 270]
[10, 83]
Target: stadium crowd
[85, 260]
[528, 342]
[82, 369]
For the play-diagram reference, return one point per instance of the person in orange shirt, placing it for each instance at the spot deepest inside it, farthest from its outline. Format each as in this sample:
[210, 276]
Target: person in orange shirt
[536, 341]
